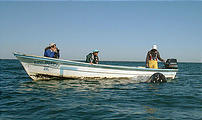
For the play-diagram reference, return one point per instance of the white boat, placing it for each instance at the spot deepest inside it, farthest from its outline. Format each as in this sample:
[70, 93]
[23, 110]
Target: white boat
[38, 67]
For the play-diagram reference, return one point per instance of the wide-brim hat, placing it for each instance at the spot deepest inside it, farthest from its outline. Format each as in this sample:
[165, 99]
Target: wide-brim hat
[52, 44]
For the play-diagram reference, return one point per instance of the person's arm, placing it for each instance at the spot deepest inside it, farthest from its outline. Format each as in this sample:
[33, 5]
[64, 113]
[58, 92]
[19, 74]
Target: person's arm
[91, 59]
[159, 57]
[147, 60]
[57, 53]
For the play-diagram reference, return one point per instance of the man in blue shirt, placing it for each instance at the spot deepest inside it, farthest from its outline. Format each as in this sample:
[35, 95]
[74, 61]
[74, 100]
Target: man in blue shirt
[52, 51]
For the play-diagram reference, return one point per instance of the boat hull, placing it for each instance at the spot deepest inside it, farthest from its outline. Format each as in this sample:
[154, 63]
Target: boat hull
[48, 68]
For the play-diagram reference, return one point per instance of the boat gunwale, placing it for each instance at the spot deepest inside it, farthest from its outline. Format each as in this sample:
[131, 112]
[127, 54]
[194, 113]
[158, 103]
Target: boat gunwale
[76, 63]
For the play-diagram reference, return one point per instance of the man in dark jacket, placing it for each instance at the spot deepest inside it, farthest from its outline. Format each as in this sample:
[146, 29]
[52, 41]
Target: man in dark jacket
[93, 58]
[52, 51]
[152, 58]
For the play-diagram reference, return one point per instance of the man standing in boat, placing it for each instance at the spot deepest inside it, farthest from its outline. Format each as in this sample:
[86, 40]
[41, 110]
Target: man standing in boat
[152, 58]
[52, 51]
[93, 58]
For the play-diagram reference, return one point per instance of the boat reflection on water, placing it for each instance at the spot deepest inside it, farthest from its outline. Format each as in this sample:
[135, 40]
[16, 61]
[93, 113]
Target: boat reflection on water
[77, 84]
[84, 85]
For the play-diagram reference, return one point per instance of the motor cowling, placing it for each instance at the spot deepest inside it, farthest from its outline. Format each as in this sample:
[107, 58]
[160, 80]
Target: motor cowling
[171, 64]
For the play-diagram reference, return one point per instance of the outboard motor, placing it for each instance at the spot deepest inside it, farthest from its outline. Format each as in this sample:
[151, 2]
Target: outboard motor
[171, 64]
[157, 78]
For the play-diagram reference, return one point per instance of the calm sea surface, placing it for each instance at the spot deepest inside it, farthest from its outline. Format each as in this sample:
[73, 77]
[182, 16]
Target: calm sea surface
[24, 99]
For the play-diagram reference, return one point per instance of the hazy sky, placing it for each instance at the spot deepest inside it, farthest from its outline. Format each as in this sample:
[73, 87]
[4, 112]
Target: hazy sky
[120, 30]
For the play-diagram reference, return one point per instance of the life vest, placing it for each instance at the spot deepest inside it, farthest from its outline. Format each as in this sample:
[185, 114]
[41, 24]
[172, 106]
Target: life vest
[95, 60]
[153, 58]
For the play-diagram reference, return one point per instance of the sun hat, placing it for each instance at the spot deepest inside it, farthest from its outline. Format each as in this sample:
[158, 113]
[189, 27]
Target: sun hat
[95, 51]
[154, 47]
[51, 44]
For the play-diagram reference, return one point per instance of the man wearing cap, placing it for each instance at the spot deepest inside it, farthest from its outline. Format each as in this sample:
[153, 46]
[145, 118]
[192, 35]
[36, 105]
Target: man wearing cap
[52, 51]
[93, 58]
[152, 58]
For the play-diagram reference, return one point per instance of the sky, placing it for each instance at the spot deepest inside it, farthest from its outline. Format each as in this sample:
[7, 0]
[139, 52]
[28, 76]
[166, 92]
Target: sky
[122, 31]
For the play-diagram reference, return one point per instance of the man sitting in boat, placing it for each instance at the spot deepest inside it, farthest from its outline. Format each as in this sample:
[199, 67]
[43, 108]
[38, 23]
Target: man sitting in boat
[93, 58]
[152, 58]
[52, 51]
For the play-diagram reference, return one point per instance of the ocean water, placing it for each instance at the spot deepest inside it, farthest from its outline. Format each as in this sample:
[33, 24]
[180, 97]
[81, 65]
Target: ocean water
[24, 99]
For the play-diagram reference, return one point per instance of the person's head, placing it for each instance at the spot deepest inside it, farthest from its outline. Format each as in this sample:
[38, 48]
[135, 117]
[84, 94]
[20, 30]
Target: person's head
[95, 52]
[52, 45]
[154, 47]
